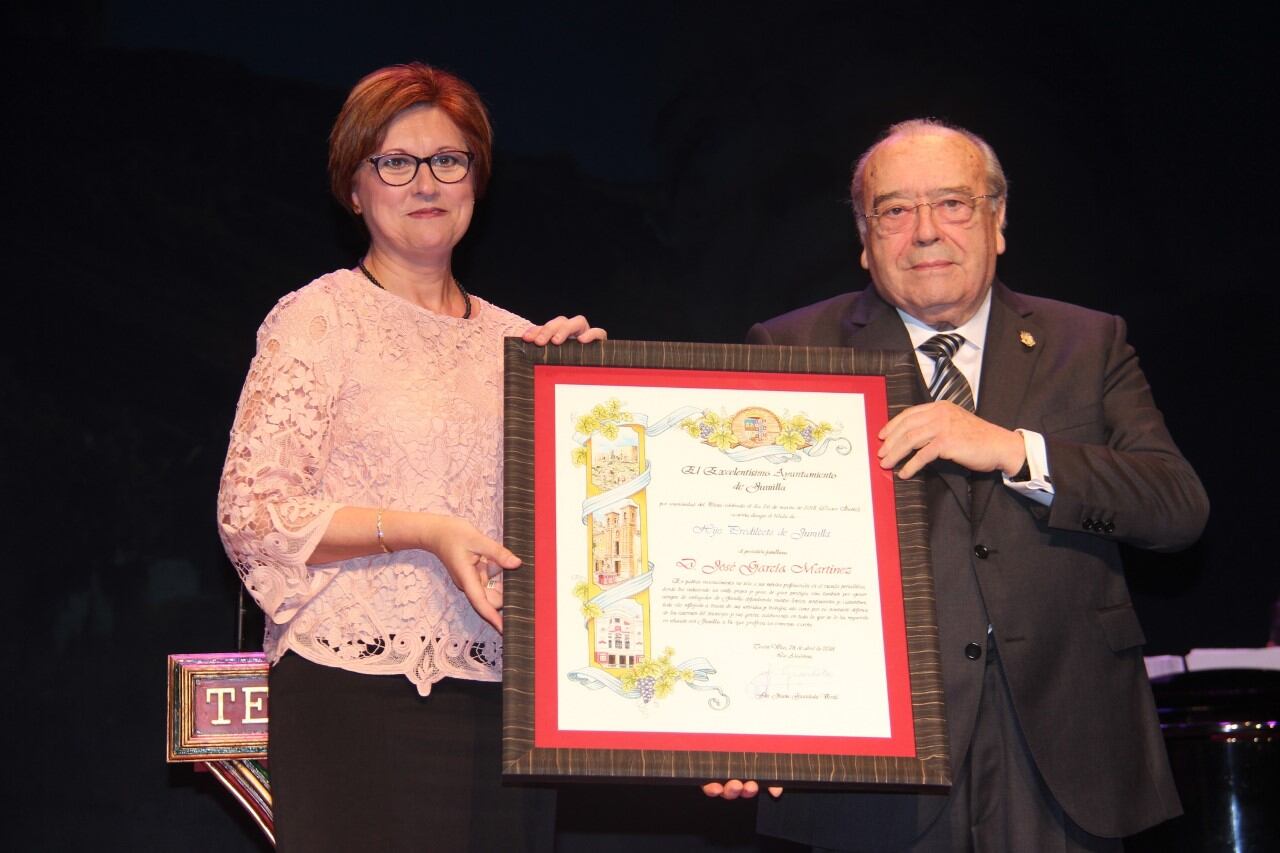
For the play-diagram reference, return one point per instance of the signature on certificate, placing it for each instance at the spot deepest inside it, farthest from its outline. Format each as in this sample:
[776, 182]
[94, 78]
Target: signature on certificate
[791, 683]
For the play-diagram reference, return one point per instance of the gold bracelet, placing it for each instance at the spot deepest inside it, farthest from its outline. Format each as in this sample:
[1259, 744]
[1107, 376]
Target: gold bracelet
[382, 539]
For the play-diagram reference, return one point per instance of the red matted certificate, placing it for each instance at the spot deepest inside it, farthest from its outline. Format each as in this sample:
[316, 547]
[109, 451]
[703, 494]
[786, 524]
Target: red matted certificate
[714, 582]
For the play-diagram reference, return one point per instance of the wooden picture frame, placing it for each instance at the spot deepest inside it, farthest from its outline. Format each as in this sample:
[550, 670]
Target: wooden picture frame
[631, 734]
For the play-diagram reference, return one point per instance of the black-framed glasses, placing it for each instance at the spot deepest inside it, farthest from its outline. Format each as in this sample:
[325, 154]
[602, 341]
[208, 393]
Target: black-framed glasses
[398, 169]
[950, 210]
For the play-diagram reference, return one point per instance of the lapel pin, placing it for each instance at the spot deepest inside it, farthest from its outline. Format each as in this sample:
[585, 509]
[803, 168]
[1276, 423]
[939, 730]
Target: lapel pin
[1028, 339]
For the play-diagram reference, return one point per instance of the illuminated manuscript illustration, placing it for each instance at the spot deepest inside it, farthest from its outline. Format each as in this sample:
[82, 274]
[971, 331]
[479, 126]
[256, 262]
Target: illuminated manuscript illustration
[615, 586]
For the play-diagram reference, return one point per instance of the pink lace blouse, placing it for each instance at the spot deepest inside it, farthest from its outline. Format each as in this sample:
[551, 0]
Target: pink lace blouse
[358, 397]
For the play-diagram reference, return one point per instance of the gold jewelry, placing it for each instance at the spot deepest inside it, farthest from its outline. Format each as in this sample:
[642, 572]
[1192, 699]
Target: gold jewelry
[382, 539]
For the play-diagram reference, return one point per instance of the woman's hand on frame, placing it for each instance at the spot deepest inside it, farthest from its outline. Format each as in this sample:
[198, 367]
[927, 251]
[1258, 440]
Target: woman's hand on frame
[560, 329]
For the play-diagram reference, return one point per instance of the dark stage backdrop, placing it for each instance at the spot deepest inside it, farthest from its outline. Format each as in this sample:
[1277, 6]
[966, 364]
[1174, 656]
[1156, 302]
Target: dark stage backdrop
[673, 173]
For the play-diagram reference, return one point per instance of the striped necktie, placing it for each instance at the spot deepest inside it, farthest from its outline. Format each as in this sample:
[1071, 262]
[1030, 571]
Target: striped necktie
[948, 382]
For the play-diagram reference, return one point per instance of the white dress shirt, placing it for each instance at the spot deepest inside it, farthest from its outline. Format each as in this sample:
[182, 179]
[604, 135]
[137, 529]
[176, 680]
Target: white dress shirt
[968, 360]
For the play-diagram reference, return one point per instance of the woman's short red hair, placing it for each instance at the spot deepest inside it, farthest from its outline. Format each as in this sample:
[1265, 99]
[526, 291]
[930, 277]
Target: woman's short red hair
[384, 94]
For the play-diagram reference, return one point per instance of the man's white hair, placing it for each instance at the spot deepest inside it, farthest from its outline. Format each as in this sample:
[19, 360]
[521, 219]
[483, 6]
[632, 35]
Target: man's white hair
[997, 184]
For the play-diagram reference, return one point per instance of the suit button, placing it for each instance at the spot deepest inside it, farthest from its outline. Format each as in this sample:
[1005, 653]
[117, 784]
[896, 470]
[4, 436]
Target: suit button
[1109, 527]
[981, 552]
[973, 651]
[1087, 524]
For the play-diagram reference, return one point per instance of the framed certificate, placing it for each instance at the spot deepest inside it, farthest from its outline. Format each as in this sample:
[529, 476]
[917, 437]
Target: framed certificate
[719, 580]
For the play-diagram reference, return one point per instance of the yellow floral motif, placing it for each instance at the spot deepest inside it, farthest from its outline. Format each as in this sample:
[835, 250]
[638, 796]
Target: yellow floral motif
[722, 437]
[582, 592]
[798, 431]
[791, 438]
[715, 430]
[664, 675]
[604, 419]
[709, 418]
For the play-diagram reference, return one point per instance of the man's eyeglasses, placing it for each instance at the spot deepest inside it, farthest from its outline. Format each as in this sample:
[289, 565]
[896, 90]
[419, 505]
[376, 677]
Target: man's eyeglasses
[396, 170]
[950, 210]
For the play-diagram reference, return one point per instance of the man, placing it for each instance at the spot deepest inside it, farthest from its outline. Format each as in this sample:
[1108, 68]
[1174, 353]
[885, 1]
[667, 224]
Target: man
[1055, 743]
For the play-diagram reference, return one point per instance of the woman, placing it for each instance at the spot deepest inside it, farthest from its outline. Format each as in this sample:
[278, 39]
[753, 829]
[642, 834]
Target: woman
[361, 500]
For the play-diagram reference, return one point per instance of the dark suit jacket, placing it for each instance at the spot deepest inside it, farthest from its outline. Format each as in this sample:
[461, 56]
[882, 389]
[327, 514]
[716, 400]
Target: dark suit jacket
[1050, 581]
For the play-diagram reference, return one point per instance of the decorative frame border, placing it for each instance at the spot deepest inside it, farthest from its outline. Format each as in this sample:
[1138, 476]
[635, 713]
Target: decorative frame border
[928, 768]
[188, 674]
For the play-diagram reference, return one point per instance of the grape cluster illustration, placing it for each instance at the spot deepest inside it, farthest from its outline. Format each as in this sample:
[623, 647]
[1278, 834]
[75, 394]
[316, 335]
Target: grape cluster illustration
[655, 679]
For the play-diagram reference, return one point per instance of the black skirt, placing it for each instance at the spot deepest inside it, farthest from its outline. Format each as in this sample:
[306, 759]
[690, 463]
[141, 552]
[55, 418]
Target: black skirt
[362, 762]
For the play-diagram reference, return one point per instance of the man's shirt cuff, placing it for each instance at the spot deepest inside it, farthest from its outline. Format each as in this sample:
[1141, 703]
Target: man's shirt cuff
[1033, 480]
